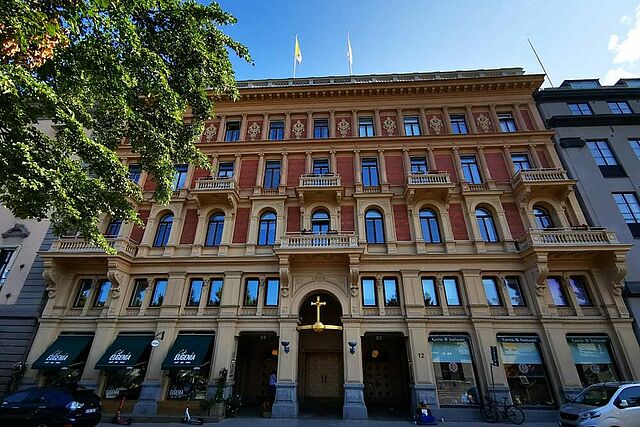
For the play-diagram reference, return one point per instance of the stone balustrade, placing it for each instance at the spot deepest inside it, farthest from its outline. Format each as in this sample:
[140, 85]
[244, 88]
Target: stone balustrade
[210, 183]
[319, 180]
[122, 245]
[540, 175]
[428, 178]
[330, 241]
[562, 237]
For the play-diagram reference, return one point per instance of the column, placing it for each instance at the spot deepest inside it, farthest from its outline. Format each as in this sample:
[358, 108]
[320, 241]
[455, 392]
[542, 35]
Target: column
[534, 157]
[383, 167]
[284, 170]
[355, 132]
[406, 159]
[423, 387]
[333, 162]
[507, 155]
[376, 117]
[356, 164]
[332, 123]
[201, 233]
[286, 402]
[472, 122]
[287, 125]
[485, 338]
[265, 126]
[447, 119]
[456, 160]
[494, 117]
[400, 122]
[485, 168]
[518, 116]
[354, 407]
[222, 128]
[223, 356]
[307, 162]
[259, 173]
[559, 359]
[237, 166]
[214, 164]
[424, 124]
[432, 166]
[243, 127]
[309, 124]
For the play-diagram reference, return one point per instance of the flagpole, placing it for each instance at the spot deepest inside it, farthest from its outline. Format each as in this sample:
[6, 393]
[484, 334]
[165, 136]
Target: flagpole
[349, 54]
[294, 57]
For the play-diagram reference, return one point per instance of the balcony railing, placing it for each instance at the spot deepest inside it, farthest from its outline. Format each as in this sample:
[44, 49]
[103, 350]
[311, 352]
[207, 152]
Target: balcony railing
[562, 237]
[319, 180]
[331, 241]
[429, 178]
[540, 175]
[71, 245]
[210, 183]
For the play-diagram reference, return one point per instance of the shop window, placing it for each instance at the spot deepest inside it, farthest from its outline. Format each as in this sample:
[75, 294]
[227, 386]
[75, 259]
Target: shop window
[139, 290]
[491, 291]
[579, 287]
[251, 292]
[527, 376]
[373, 226]
[159, 292]
[214, 230]
[429, 225]
[557, 292]
[453, 368]
[272, 290]
[125, 383]
[390, 287]
[369, 297]
[451, 291]
[215, 292]
[83, 293]
[429, 291]
[195, 292]
[515, 292]
[102, 293]
[185, 384]
[592, 357]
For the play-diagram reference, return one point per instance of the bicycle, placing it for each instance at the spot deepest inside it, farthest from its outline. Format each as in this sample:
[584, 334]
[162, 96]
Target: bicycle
[493, 410]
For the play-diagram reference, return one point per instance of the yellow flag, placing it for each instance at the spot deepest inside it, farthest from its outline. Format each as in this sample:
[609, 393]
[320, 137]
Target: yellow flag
[298, 52]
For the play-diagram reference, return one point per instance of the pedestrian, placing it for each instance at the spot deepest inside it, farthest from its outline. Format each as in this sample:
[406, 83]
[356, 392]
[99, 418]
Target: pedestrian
[272, 387]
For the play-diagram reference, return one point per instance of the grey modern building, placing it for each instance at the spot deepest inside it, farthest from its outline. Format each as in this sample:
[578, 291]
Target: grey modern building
[598, 140]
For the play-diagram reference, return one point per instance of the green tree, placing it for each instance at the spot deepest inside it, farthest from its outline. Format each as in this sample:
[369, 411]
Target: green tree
[104, 71]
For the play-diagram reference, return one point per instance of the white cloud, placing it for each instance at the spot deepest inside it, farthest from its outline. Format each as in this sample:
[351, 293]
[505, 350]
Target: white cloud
[616, 74]
[626, 20]
[627, 48]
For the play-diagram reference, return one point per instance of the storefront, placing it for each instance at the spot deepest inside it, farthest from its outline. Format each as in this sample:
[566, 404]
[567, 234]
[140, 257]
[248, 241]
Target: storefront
[125, 365]
[188, 363]
[592, 358]
[63, 362]
[525, 370]
[453, 367]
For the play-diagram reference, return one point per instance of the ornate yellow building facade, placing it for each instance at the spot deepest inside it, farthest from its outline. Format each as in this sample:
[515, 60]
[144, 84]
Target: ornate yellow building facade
[428, 214]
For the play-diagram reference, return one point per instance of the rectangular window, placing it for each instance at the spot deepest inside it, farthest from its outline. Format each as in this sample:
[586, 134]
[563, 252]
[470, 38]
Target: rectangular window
[620, 107]
[5, 257]
[139, 290]
[113, 228]
[251, 292]
[272, 174]
[580, 109]
[134, 173]
[159, 291]
[520, 162]
[458, 124]
[215, 292]
[365, 127]
[429, 291]
[272, 291]
[602, 153]
[276, 131]
[83, 293]
[104, 286]
[507, 123]
[321, 129]
[491, 291]
[411, 126]
[579, 287]
[180, 177]
[195, 292]
[453, 369]
[515, 292]
[628, 206]
[592, 358]
[225, 170]
[321, 166]
[391, 298]
[470, 169]
[557, 293]
[369, 297]
[451, 291]
[635, 146]
[419, 165]
[232, 132]
[370, 172]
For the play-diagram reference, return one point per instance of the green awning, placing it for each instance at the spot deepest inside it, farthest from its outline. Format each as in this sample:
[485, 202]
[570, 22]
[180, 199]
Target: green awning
[64, 352]
[189, 351]
[126, 351]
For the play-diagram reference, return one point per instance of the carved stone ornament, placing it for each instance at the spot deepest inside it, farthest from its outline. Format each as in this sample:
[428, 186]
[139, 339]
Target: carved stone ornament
[354, 272]
[210, 133]
[541, 273]
[389, 125]
[50, 278]
[619, 271]
[284, 280]
[18, 230]
[117, 279]
[343, 127]
[254, 131]
[484, 123]
[298, 129]
[435, 124]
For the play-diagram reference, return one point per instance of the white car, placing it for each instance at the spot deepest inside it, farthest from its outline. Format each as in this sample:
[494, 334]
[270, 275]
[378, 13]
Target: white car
[612, 404]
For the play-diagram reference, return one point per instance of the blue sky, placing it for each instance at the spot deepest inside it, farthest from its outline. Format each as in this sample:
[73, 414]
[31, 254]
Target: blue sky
[575, 38]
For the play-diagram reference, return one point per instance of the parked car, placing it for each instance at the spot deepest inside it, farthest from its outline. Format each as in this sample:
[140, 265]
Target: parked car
[51, 407]
[612, 404]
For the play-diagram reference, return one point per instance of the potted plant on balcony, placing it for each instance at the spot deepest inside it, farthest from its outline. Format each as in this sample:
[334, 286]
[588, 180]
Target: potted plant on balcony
[215, 407]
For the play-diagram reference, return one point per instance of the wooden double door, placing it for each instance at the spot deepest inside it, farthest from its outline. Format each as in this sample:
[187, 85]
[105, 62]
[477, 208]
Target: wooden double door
[323, 375]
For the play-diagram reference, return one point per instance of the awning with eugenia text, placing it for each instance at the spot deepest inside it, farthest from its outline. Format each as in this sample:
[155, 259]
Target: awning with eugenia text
[127, 351]
[189, 351]
[64, 352]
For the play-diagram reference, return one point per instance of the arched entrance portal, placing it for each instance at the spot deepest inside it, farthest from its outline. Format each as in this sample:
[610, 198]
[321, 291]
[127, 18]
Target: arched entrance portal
[320, 363]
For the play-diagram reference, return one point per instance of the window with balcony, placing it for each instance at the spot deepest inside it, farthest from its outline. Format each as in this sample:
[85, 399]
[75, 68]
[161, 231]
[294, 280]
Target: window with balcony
[543, 219]
[5, 263]
[159, 292]
[486, 225]
[630, 211]
[419, 165]
[520, 162]
[580, 109]
[214, 230]
[321, 128]
[232, 131]
[620, 107]
[390, 290]
[515, 292]
[374, 226]
[605, 159]
[321, 166]
[370, 172]
[635, 146]
[113, 228]
[225, 170]
[276, 130]
[272, 175]
[271, 292]
[135, 172]
[491, 291]
[180, 177]
[411, 126]
[369, 296]
[429, 226]
[215, 292]
[458, 124]
[83, 293]
[470, 169]
[365, 127]
[320, 222]
[195, 292]
[507, 123]
[579, 287]
[140, 287]
[267, 229]
[451, 292]
[558, 294]
[251, 292]
[164, 231]
[102, 293]
[429, 291]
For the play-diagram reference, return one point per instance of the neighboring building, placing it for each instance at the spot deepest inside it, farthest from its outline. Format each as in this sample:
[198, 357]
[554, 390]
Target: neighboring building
[598, 140]
[22, 289]
[423, 217]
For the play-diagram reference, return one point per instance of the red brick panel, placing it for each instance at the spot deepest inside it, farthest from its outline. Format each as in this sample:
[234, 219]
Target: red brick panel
[544, 160]
[513, 219]
[458, 224]
[241, 225]
[197, 174]
[444, 162]
[492, 128]
[443, 128]
[345, 169]
[395, 169]
[401, 219]
[248, 173]
[497, 167]
[346, 218]
[293, 219]
[189, 227]
[296, 168]
[526, 117]
[137, 232]
[149, 183]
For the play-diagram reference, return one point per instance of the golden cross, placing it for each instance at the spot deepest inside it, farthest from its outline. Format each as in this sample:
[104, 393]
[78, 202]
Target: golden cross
[318, 304]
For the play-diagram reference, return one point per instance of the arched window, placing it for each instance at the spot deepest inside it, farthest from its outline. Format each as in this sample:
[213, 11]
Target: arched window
[429, 224]
[164, 230]
[543, 219]
[486, 225]
[267, 232]
[374, 226]
[320, 222]
[214, 231]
